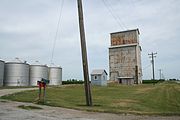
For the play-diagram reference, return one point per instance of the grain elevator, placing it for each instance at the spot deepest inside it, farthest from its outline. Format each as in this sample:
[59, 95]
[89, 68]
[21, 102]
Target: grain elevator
[125, 57]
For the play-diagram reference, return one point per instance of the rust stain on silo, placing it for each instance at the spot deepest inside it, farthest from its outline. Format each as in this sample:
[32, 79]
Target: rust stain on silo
[124, 37]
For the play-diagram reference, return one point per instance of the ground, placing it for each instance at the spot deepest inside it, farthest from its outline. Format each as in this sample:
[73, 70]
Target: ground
[10, 110]
[158, 99]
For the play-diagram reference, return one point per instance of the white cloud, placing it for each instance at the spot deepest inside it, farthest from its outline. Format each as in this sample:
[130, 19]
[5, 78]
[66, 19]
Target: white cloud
[28, 31]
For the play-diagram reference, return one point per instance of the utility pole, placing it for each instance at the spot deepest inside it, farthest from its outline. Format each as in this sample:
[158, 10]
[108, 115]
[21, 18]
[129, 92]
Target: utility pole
[84, 55]
[136, 74]
[152, 56]
[160, 70]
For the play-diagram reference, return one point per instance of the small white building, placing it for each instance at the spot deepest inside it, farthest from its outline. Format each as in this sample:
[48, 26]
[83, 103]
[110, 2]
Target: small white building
[99, 77]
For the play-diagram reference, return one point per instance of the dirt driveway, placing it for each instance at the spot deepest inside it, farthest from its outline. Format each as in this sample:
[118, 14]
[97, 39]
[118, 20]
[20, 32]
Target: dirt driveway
[9, 111]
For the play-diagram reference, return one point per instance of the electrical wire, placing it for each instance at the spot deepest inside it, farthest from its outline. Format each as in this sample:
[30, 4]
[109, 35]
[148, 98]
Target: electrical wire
[147, 67]
[116, 17]
[119, 19]
[57, 30]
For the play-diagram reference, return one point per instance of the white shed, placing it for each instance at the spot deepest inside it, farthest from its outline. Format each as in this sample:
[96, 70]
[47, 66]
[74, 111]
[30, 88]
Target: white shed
[99, 77]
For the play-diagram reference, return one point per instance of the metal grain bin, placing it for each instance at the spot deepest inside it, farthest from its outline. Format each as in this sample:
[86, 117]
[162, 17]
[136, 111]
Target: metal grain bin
[1, 72]
[55, 75]
[16, 74]
[37, 72]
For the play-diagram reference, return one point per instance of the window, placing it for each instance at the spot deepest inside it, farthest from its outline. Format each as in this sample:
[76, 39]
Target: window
[95, 77]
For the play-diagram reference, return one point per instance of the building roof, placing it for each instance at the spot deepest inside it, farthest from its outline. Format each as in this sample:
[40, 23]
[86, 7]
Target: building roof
[1, 61]
[98, 72]
[127, 31]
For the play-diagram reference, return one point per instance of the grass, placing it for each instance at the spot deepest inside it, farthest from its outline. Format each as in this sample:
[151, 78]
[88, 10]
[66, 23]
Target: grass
[15, 87]
[159, 99]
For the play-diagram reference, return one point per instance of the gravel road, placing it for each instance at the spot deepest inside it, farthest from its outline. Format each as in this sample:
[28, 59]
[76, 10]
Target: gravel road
[9, 111]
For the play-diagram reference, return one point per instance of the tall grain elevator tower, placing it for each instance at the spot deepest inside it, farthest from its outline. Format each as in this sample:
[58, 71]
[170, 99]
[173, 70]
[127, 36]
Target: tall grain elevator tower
[125, 57]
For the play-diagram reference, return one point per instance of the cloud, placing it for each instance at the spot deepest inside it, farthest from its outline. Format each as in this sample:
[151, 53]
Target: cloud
[28, 31]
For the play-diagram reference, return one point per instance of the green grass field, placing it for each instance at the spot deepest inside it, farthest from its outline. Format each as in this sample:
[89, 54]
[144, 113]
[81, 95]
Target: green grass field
[159, 99]
[15, 87]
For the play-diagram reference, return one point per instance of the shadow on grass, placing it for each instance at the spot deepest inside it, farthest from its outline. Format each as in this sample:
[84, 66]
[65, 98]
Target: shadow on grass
[29, 107]
[94, 105]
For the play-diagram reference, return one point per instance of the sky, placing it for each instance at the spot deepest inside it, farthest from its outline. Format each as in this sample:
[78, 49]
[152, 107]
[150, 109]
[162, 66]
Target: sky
[28, 31]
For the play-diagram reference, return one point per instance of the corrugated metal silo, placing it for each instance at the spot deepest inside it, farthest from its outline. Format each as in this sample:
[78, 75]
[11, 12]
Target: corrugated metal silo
[55, 75]
[37, 72]
[1, 72]
[16, 74]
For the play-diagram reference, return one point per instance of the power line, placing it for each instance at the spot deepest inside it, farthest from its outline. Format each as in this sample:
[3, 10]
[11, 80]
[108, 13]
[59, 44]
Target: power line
[152, 56]
[119, 19]
[134, 7]
[147, 67]
[116, 18]
[57, 29]
[160, 74]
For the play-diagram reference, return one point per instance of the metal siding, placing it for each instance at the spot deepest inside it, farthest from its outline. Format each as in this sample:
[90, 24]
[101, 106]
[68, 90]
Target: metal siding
[139, 65]
[1, 72]
[16, 74]
[37, 72]
[55, 75]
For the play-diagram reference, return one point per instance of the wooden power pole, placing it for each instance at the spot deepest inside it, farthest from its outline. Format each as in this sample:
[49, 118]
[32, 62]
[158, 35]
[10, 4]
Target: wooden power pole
[84, 55]
[152, 56]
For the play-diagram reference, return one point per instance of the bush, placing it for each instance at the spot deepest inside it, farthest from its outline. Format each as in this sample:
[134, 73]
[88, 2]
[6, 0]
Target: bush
[72, 81]
[152, 81]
